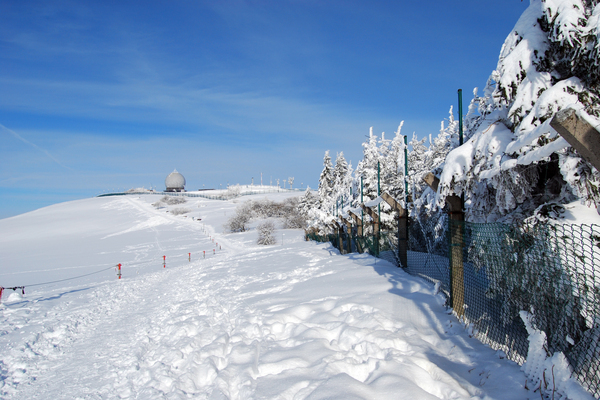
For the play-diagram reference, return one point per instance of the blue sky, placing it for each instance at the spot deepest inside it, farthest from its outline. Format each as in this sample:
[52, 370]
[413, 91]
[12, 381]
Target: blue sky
[107, 95]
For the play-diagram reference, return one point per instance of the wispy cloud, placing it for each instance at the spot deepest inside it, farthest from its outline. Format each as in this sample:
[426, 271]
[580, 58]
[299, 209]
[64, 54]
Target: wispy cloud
[35, 146]
[215, 108]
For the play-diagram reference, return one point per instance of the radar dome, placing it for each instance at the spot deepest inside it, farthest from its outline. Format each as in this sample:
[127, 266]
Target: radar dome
[175, 182]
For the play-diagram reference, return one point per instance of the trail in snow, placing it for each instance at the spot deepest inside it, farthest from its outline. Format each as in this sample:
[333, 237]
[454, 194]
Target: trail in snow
[289, 321]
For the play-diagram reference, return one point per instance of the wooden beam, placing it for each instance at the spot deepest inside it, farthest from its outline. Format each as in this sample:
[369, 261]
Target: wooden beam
[346, 222]
[393, 203]
[432, 181]
[371, 213]
[358, 220]
[582, 136]
[454, 202]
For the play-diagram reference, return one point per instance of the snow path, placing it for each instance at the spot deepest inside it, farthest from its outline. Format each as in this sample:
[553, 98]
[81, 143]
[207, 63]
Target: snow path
[291, 321]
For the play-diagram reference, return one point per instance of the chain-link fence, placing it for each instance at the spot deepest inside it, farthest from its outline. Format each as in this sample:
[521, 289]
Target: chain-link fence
[552, 271]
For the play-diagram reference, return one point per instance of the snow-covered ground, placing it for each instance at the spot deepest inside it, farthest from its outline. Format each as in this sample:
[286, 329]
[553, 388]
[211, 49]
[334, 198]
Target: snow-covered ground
[294, 320]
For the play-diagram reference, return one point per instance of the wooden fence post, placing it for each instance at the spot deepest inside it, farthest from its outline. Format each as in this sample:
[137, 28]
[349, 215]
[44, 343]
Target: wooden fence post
[402, 217]
[340, 231]
[357, 219]
[456, 225]
[359, 229]
[348, 233]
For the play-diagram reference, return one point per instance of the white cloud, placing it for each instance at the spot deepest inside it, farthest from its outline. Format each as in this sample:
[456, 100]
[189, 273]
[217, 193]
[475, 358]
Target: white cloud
[35, 146]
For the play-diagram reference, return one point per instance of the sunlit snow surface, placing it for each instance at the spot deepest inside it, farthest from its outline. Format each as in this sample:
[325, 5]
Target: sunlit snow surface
[291, 321]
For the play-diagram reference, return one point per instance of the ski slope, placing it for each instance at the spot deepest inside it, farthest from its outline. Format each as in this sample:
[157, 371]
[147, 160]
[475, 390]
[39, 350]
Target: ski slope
[295, 320]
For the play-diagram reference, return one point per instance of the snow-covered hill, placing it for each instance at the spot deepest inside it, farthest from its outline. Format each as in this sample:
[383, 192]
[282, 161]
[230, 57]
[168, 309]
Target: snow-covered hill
[290, 321]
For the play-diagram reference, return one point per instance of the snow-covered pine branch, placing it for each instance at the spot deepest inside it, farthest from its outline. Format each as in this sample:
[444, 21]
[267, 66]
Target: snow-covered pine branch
[513, 161]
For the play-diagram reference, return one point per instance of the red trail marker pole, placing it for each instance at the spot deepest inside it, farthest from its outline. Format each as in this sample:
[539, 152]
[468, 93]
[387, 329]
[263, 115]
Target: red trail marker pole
[189, 257]
[164, 261]
[119, 270]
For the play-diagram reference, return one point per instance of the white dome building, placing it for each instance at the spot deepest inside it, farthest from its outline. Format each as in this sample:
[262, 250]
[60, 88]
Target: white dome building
[175, 182]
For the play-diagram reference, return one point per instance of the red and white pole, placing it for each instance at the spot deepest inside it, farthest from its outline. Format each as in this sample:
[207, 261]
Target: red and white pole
[164, 261]
[119, 270]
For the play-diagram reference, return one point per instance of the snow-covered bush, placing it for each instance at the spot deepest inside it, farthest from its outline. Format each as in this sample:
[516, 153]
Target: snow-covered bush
[239, 222]
[173, 200]
[265, 209]
[266, 233]
[233, 191]
[288, 211]
[294, 221]
[138, 190]
[169, 201]
[180, 211]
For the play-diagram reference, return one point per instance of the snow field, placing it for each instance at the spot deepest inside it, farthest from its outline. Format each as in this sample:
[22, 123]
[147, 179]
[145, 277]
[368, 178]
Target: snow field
[291, 321]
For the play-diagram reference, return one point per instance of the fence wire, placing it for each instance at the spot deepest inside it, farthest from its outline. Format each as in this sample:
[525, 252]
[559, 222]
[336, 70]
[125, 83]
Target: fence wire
[549, 270]
[552, 271]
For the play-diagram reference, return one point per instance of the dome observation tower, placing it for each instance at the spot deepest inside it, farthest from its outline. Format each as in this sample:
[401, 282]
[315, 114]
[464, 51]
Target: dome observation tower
[175, 182]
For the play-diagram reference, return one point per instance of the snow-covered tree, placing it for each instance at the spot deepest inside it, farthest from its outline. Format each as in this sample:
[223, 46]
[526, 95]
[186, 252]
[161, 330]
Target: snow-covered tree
[392, 169]
[326, 182]
[266, 233]
[514, 161]
[307, 202]
[340, 170]
[367, 167]
[418, 165]
[343, 180]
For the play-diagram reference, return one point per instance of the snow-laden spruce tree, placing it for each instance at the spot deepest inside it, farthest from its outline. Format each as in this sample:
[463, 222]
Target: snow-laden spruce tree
[424, 159]
[266, 233]
[513, 161]
[307, 202]
[392, 168]
[340, 171]
[326, 183]
[342, 178]
[367, 167]
[418, 165]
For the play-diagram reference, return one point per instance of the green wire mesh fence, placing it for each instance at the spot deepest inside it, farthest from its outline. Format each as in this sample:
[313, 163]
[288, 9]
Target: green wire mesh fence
[552, 271]
[549, 270]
